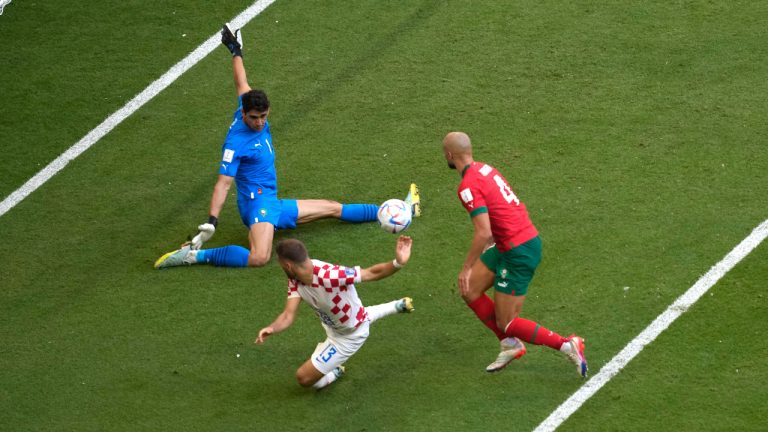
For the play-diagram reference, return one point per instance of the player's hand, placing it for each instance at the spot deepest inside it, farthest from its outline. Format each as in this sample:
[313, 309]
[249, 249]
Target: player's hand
[403, 249]
[232, 40]
[464, 281]
[205, 234]
[264, 334]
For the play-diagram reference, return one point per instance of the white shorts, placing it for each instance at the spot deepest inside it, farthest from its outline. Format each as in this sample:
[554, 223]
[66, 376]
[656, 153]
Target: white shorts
[338, 348]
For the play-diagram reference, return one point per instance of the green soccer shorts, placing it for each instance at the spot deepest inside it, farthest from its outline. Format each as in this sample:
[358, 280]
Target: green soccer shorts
[514, 268]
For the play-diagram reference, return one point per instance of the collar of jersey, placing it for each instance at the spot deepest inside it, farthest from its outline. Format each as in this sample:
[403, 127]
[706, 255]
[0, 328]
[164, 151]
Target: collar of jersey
[464, 171]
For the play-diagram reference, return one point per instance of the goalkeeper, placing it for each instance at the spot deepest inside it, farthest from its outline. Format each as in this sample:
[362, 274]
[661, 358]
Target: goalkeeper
[248, 158]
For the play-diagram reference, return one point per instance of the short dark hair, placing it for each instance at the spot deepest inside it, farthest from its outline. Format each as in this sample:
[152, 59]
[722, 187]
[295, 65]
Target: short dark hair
[292, 250]
[255, 100]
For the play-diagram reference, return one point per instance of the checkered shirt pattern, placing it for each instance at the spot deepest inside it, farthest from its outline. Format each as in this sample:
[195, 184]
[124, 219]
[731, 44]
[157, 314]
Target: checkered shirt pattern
[332, 295]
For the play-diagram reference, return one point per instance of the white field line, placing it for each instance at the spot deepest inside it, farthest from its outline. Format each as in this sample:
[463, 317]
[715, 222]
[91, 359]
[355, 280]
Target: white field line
[129, 108]
[681, 305]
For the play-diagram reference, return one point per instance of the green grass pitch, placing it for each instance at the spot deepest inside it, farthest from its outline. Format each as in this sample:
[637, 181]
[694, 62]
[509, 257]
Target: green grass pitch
[635, 132]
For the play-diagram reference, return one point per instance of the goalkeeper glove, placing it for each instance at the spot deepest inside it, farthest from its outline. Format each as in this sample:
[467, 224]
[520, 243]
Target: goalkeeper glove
[206, 232]
[232, 40]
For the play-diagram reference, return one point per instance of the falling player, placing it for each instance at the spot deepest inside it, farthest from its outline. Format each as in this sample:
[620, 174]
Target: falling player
[248, 158]
[508, 265]
[329, 289]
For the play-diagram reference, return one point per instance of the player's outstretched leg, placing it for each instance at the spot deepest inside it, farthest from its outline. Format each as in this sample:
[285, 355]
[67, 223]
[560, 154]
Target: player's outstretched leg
[404, 305]
[227, 256]
[511, 349]
[358, 213]
[179, 257]
[305, 211]
[414, 200]
[329, 377]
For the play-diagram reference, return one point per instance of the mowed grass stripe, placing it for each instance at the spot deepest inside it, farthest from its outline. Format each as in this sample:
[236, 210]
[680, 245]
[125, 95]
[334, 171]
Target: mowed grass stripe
[129, 108]
[97, 340]
[661, 323]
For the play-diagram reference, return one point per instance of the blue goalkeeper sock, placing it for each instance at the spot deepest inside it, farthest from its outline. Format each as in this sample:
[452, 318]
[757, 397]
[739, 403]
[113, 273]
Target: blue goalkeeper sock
[359, 212]
[227, 256]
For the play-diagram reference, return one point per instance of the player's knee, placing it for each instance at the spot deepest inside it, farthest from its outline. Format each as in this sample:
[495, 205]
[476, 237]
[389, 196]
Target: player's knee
[469, 297]
[303, 380]
[256, 259]
[502, 321]
[472, 294]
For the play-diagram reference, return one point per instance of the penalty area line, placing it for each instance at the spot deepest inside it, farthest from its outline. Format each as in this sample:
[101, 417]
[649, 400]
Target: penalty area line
[129, 108]
[661, 323]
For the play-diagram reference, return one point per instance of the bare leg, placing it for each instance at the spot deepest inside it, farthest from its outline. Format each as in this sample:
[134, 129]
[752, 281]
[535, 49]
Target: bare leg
[307, 374]
[312, 210]
[508, 307]
[479, 281]
[260, 236]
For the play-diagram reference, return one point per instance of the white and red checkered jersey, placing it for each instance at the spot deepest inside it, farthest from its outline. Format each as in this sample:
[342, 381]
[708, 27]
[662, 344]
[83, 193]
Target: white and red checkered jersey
[332, 295]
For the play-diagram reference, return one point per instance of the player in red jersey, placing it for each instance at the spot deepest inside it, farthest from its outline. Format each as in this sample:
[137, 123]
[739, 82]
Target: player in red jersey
[508, 265]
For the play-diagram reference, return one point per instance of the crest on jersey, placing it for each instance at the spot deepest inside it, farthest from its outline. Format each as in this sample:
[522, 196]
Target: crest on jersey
[349, 272]
[228, 154]
[263, 212]
[466, 195]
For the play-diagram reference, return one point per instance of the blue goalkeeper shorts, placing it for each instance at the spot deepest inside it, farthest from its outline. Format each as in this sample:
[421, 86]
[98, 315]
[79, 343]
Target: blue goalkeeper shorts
[280, 213]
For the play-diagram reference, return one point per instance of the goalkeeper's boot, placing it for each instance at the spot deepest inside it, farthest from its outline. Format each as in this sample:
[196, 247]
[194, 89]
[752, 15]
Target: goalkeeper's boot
[183, 256]
[404, 305]
[575, 353]
[511, 349]
[414, 200]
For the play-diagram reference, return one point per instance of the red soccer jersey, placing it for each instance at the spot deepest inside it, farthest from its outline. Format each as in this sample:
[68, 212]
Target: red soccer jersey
[484, 190]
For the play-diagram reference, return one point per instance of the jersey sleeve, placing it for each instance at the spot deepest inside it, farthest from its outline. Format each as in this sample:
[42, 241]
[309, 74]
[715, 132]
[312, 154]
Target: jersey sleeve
[293, 288]
[230, 160]
[338, 276]
[472, 199]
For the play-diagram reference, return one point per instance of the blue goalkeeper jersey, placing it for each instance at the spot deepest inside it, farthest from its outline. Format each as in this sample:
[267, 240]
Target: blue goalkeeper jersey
[249, 157]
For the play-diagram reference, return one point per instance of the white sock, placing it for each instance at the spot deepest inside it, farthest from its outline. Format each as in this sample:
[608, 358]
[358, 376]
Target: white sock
[510, 342]
[380, 311]
[324, 381]
[566, 348]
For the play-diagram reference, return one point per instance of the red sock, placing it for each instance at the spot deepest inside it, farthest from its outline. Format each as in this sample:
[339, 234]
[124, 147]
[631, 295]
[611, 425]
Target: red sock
[484, 308]
[529, 331]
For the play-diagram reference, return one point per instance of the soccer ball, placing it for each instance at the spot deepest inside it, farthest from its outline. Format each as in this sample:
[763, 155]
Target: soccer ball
[394, 215]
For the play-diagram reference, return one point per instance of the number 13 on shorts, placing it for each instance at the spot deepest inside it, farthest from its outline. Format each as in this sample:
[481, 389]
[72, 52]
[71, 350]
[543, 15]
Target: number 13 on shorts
[327, 354]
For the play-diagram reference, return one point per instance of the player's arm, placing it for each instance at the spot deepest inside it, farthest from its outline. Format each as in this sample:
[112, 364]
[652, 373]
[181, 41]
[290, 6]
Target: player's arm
[219, 196]
[282, 322]
[481, 238]
[234, 42]
[241, 81]
[382, 270]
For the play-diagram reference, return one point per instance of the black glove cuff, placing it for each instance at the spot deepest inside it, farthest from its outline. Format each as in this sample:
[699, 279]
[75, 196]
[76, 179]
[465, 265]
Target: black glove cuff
[213, 220]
